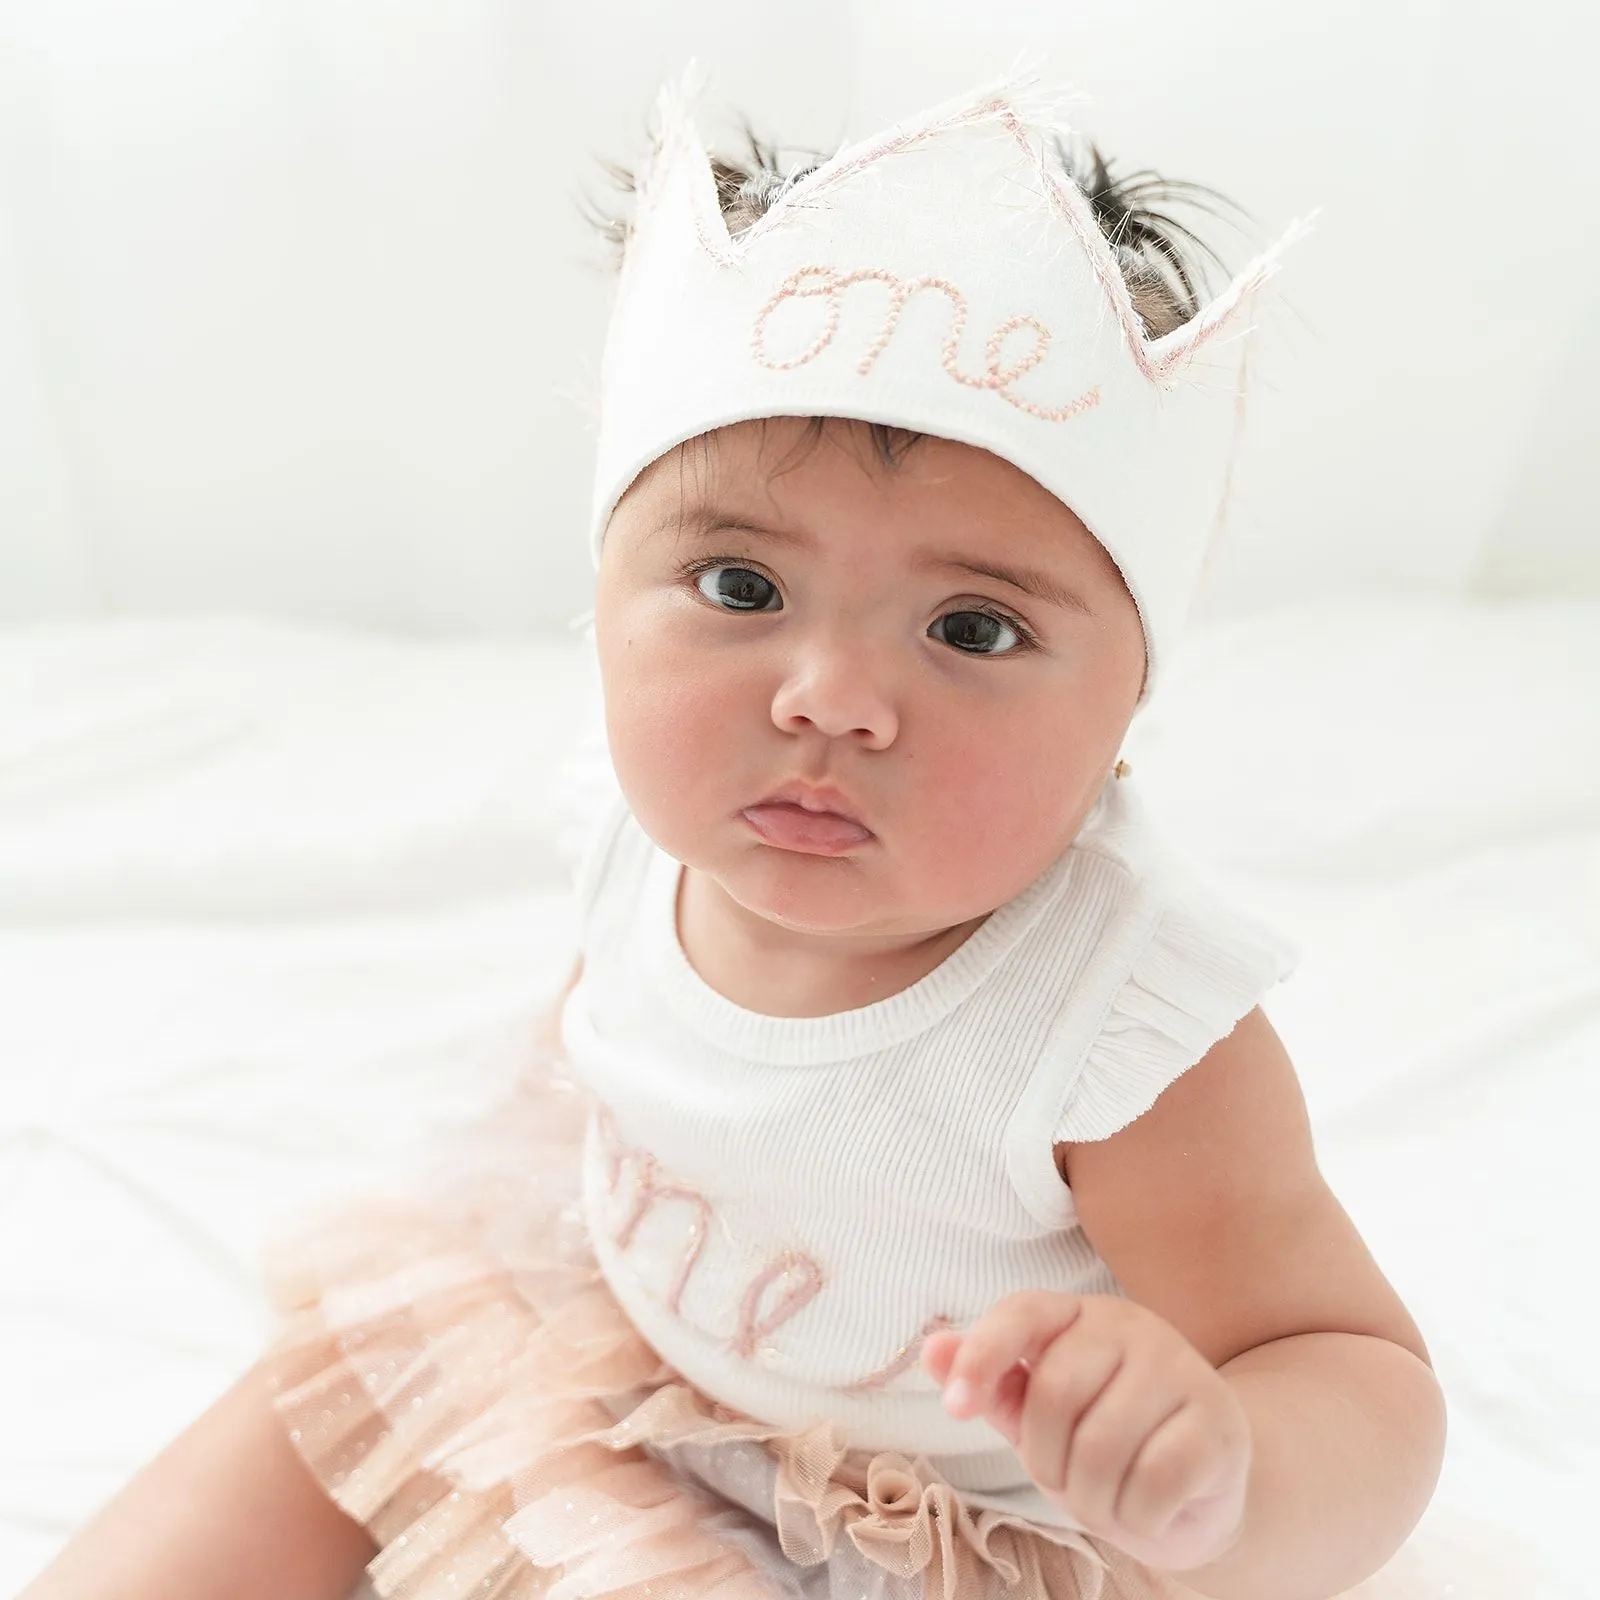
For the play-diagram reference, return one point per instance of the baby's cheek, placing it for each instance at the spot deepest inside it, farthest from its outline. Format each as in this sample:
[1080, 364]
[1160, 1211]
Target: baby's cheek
[995, 809]
[674, 741]
[980, 791]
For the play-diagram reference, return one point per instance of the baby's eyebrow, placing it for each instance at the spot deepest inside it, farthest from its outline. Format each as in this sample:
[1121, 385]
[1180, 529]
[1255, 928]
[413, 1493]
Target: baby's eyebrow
[698, 519]
[1041, 585]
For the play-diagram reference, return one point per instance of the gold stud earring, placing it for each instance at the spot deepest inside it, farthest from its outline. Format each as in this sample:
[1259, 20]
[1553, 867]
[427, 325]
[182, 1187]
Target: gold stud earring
[1121, 770]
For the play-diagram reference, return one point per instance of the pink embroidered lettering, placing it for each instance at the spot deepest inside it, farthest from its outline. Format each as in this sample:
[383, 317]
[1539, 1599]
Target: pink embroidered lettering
[800, 1275]
[904, 1357]
[647, 1191]
[813, 282]
[809, 1276]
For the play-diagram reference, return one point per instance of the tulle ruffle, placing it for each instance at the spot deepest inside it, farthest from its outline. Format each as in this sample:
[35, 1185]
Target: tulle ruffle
[452, 1367]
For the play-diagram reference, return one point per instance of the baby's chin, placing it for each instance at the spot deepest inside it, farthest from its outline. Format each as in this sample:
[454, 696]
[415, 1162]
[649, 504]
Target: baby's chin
[843, 897]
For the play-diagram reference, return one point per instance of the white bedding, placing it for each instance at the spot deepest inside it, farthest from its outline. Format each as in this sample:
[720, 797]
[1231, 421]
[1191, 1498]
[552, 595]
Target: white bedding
[276, 900]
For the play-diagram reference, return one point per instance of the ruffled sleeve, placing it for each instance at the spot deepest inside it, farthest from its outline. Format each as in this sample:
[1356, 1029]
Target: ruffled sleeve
[1205, 964]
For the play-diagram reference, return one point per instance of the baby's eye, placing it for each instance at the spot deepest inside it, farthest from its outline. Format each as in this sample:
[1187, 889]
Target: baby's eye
[738, 589]
[977, 633]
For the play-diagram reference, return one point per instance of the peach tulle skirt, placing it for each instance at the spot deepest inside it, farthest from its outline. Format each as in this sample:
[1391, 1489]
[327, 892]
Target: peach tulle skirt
[452, 1367]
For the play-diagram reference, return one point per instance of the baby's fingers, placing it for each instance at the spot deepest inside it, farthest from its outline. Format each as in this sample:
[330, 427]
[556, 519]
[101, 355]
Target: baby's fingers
[1176, 1465]
[1086, 1442]
[1019, 1328]
[938, 1351]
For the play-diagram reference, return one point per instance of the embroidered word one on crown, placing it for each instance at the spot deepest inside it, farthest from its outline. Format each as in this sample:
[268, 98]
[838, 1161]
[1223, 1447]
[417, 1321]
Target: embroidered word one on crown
[825, 283]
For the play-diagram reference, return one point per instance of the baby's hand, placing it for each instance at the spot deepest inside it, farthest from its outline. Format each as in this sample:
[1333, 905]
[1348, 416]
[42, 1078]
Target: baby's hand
[1115, 1415]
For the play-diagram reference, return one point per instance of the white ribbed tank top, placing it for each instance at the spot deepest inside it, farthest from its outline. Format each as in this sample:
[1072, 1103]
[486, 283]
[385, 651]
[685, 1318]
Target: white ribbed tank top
[785, 1205]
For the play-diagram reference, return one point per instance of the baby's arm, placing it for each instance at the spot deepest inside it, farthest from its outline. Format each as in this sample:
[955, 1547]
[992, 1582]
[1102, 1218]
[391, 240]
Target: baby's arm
[1256, 1412]
[1211, 1211]
[228, 1511]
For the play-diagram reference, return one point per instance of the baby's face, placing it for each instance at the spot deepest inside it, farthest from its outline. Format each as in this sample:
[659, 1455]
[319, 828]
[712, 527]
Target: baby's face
[902, 638]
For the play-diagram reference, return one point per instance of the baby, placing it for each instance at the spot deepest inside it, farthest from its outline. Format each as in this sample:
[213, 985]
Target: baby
[916, 1200]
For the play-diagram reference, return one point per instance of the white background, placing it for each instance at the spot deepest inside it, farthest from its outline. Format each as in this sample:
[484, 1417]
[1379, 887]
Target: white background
[298, 313]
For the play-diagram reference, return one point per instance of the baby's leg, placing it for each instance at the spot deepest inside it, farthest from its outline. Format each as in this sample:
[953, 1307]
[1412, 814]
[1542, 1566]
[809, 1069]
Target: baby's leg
[228, 1511]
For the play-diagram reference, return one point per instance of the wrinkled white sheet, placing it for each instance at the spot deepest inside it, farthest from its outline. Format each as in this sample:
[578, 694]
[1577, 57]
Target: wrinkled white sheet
[276, 901]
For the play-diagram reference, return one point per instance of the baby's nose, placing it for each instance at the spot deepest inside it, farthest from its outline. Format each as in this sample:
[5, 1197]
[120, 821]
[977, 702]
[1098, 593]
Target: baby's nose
[838, 691]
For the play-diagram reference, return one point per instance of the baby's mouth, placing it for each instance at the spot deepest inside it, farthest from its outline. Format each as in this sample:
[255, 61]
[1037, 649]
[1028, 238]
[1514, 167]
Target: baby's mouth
[807, 818]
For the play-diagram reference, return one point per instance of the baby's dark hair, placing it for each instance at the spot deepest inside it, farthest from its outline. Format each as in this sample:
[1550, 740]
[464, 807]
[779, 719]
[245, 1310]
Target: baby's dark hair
[1161, 260]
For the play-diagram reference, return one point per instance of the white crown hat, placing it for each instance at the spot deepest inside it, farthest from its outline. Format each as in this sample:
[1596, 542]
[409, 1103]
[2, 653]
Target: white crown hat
[944, 276]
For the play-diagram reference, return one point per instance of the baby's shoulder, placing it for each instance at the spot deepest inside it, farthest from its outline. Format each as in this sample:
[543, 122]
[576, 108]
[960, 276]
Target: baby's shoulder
[1170, 969]
[1210, 1209]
